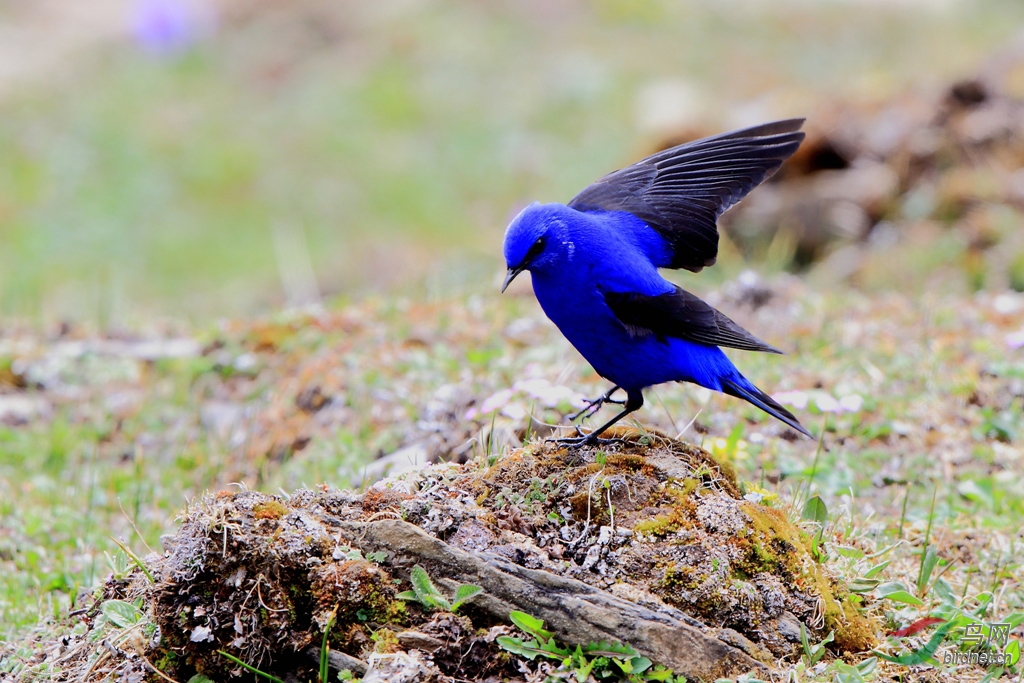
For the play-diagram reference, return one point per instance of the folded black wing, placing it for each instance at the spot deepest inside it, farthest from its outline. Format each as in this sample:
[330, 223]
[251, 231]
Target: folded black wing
[683, 315]
[682, 191]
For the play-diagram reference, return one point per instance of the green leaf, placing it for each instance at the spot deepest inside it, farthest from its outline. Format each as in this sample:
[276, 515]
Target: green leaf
[945, 592]
[250, 667]
[422, 584]
[923, 655]
[625, 665]
[530, 624]
[904, 597]
[556, 650]
[892, 587]
[849, 551]
[465, 592]
[528, 649]
[815, 652]
[640, 664]
[518, 646]
[118, 563]
[1012, 651]
[120, 613]
[424, 591]
[325, 647]
[845, 673]
[984, 490]
[815, 510]
[439, 602]
[606, 648]
[862, 585]
[928, 562]
[868, 666]
[583, 671]
[200, 678]
[876, 570]
[984, 599]
[1014, 619]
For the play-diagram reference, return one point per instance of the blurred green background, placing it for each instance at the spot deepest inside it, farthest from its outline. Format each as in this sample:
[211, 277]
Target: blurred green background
[241, 156]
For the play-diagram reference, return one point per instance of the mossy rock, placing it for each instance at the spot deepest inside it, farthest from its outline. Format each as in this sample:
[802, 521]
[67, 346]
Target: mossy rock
[651, 520]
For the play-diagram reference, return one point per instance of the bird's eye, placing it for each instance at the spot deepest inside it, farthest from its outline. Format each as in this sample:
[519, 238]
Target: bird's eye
[535, 250]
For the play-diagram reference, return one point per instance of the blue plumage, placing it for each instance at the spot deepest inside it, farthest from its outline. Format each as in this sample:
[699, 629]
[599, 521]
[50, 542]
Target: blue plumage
[594, 265]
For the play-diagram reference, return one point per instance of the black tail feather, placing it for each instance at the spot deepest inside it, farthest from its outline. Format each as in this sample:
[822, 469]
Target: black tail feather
[765, 402]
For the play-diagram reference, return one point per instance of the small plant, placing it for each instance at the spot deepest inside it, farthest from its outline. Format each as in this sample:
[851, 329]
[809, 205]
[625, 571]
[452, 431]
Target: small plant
[923, 655]
[602, 661]
[249, 667]
[869, 581]
[816, 511]
[896, 591]
[347, 553]
[424, 592]
[118, 564]
[325, 646]
[120, 614]
[813, 653]
[855, 673]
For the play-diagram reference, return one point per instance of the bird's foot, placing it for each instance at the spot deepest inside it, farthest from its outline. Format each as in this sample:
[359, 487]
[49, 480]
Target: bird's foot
[581, 439]
[593, 405]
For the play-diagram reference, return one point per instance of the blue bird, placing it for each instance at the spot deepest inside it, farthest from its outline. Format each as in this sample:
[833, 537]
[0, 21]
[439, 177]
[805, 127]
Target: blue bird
[594, 265]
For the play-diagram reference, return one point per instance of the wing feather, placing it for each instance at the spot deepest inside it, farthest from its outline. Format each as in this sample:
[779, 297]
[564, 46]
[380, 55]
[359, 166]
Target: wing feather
[681, 192]
[683, 315]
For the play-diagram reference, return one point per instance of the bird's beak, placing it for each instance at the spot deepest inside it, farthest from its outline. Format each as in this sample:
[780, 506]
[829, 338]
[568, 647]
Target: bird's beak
[512, 272]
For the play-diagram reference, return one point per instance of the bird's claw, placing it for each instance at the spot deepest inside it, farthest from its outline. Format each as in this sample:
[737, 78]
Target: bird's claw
[593, 405]
[591, 439]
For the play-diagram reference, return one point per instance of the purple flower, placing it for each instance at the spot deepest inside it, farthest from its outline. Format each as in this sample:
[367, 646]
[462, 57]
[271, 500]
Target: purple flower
[852, 403]
[167, 26]
[827, 404]
[1015, 340]
[797, 399]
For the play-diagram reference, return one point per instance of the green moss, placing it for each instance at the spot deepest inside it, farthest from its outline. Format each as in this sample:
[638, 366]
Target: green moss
[678, 496]
[681, 577]
[385, 641]
[780, 546]
[776, 544]
[854, 632]
[382, 608]
[166, 661]
[271, 509]
[627, 461]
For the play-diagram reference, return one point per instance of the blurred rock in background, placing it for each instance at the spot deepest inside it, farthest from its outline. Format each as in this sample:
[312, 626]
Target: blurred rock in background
[870, 176]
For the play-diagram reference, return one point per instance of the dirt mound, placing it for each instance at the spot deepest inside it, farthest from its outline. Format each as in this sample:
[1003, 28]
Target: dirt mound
[649, 543]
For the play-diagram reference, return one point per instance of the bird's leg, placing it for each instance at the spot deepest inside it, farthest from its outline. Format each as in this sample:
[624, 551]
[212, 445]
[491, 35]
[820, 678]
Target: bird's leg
[594, 405]
[634, 401]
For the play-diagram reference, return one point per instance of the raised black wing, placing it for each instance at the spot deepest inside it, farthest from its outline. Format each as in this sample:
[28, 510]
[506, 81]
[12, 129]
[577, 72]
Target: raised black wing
[683, 315]
[682, 191]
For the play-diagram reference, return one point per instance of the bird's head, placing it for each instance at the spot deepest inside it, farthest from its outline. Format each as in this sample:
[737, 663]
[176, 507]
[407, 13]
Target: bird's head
[536, 239]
